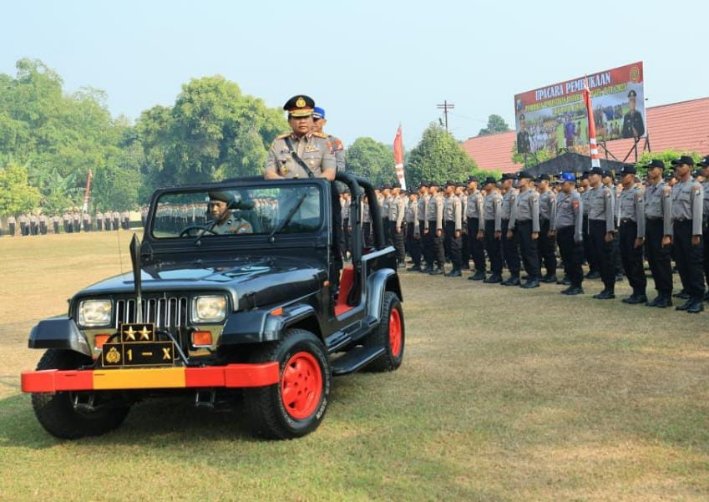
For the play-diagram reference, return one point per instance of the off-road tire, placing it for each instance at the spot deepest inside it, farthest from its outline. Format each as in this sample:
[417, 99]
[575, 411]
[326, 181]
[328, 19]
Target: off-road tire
[279, 411]
[55, 411]
[390, 334]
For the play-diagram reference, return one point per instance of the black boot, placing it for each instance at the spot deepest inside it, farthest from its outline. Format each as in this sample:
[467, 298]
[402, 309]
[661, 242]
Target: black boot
[477, 276]
[606, 294]
[685, 305]
[437, 271]
[493, 279]
[549, 279]
[573, 291]
[533, 282]
[696, 306]
[512, 281]
[454, 273]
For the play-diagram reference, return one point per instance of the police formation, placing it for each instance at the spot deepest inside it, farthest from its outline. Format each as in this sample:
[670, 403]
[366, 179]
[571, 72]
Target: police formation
[611, 225]
[69, 222]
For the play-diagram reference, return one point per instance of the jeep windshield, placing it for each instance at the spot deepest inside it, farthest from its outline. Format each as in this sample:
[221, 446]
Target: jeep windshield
[232, 212]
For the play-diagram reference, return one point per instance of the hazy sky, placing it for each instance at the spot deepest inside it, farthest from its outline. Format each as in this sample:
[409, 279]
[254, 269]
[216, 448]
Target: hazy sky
[370, 64]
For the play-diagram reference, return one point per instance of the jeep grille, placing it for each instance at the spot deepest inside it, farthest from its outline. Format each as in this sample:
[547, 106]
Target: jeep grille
[165, 312]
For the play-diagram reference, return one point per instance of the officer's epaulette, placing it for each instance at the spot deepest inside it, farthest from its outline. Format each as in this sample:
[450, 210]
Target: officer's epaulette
[284, 135]
[320, 135]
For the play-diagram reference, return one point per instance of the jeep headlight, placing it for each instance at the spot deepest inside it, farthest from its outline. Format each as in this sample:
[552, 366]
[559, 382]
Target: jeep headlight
[95, 313]
[209, 309]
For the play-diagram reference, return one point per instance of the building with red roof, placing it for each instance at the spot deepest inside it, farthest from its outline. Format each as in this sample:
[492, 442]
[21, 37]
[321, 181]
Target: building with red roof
[682, 126]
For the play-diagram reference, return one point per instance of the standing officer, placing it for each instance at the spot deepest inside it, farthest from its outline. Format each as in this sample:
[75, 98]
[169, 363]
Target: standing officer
[602, 231]
[510, 254]
[423, 223]
[631, 212]
[397, 212]
[346, 239]
[413, 232]
[687, 207]
[301, 153]
[453, 227]
[336, 146]
[547, 214]
[34, 224]
[658, 233]
[460, 192]
[43, 228]
[99, 221]
[11, 224]
[524, 222]
[591, 259]
[366, 222]
[473, 213]
[492, 230]
[384, 204]
[434, 217]
[55, 223]
[704, 164]
[567, 227]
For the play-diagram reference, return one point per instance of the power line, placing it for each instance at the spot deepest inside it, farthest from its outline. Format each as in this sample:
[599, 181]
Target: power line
[445, 107]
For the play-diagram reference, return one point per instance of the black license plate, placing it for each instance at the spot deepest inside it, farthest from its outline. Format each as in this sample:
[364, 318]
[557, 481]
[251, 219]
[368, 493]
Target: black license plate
[138, 354]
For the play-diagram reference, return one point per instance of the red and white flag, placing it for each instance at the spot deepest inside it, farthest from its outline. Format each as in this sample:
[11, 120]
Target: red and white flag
[399, 158]
[595, 158]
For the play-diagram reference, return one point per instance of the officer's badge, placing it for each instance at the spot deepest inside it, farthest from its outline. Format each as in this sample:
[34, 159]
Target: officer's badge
[113, 356]
[300, 103]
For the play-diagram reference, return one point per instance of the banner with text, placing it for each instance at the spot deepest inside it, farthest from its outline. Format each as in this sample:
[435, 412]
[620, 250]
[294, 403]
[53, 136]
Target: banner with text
[554, 118]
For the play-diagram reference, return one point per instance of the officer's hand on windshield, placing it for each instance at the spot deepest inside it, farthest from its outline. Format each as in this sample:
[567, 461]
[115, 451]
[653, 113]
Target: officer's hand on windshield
[609, 236]
[696, 240]
[535, 236]
[666, 241]
[639, 241]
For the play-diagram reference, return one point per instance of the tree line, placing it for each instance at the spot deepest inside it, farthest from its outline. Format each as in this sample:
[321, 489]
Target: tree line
[50, 139]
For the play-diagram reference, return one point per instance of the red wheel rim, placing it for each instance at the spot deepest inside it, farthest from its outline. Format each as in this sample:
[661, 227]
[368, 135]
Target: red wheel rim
[301, 385]
[395, 338]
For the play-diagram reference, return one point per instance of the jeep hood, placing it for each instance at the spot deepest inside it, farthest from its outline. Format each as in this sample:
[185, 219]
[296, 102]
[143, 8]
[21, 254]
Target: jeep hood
[254, 281]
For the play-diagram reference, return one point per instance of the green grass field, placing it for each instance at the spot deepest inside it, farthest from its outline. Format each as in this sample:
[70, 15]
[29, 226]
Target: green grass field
[504, 394]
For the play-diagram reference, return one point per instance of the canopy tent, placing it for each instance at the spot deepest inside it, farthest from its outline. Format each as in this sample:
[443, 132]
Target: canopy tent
[571, 162]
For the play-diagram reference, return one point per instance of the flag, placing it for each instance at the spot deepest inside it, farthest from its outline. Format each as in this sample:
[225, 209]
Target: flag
[399, 158]
[595, 159]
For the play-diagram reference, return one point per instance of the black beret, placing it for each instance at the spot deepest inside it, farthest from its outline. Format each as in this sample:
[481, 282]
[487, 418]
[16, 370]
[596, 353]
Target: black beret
[596, 170]
[543, 177]
[221, 195]
[489, 180]
[628, 169]
[684, 159]
[704, 162]
[632, 93]
[524, 175]
[655, 163]
[472, 179]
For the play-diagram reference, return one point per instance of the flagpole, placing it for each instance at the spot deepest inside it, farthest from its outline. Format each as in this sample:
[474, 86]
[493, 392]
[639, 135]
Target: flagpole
[399, 158]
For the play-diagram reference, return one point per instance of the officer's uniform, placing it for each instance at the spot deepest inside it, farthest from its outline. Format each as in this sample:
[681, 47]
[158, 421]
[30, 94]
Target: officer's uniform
[397, 210]
[546, 244]
[524, 221]
[43, 224]
[34, 224]
[473, 213]
[366, 223]
[510, 252]
[588, 254]
[705, 220]
[567, 225]
[55, 223]
[423, 228]
[434, 242]
[87, 222]
[687, 208]
[464, 241]
[24, 225]
[492, 216]
[76, 219]
[658, 224]
[631, 213]
[413, 234]
[453, 222]
[601, 221]
[11, 225]
[633, 125]
[384, 204]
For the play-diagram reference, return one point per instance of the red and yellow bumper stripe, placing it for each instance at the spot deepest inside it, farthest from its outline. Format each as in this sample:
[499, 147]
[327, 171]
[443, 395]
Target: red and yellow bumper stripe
[229, 376]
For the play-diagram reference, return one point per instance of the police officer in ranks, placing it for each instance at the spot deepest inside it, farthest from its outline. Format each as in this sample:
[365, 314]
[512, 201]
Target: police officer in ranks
[43, 227]
[631, 213]
[24, 222]
[345, 241]
[608, 182]
[453, 227]
[76, 221]
[397, 210]
[658, 233]
[602, 231]
[55, 223]
[510, 254]
[434, 232]
[384, 202]
[473, 215]
[87, 222]
[224, 221]
[366, 222]
[567, 228]
[687, 208]
[99, 221]
[492, 229]
[704, 165]
[424, 196]
[546, 244]
[524, 222]
[460, 192]
[11, 225]
[413, 232]
[592, 260]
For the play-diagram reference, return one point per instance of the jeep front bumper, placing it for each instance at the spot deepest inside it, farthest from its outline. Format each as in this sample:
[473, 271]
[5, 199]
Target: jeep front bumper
[229, 376]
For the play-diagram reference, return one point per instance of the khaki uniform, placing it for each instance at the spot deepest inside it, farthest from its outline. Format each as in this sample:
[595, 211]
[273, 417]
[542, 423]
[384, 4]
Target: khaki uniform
[314, 149]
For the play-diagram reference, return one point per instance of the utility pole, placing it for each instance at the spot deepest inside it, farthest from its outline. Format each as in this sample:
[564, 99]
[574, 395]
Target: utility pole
[445, 107]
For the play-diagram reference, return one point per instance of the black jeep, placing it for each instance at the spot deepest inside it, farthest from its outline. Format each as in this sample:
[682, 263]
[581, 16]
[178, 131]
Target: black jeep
[258, 307]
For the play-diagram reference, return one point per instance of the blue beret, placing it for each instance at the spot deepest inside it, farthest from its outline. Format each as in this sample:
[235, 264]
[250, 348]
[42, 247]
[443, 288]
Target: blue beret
[318, 113]
[568, 177]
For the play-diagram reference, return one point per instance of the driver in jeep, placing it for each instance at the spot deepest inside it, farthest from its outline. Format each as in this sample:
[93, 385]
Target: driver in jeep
[226, 221]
